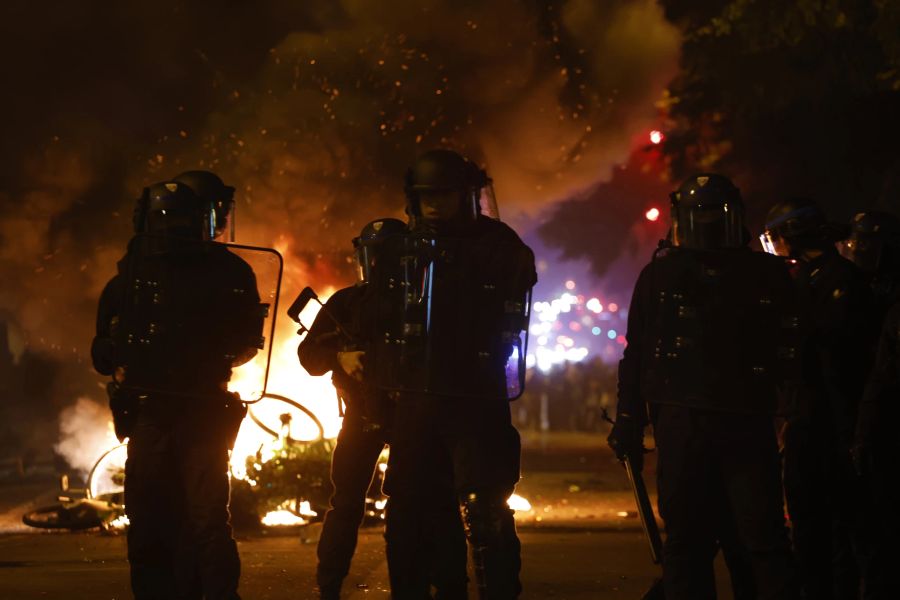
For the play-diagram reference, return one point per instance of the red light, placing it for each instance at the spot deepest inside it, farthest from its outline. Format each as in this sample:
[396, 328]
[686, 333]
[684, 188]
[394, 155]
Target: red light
[656, 136]
[652, 214]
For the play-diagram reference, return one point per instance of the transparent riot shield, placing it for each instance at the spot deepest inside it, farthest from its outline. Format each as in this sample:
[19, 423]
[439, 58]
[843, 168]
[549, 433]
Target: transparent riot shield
[451, 317]
[196, 318]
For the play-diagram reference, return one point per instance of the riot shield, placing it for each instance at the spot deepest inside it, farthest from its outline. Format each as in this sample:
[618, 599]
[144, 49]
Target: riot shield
[450, 316]
[196, 317]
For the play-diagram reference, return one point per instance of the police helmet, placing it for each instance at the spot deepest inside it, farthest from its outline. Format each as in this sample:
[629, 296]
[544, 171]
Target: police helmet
[802, 224]
[173, 209]
[212, 189]
[708, 213]
[442, 170]
[366, 245]
[874, 241]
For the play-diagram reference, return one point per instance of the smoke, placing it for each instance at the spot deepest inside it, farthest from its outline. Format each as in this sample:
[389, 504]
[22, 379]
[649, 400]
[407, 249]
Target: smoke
[606, 225]
[312, 110]
[85, 433]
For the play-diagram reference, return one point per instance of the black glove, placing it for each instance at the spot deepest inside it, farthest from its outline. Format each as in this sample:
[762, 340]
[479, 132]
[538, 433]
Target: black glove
[627, 440]
[124, 406]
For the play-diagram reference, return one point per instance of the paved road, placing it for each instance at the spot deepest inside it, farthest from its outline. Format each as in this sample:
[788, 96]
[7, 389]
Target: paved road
[581, 541]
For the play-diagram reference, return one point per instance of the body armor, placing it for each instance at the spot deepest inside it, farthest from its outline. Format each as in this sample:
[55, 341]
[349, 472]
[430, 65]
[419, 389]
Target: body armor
[190, 311]
[719, 330]
[453, 315]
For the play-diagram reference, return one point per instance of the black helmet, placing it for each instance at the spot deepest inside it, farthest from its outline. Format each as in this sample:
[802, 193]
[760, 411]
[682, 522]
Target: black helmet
[445, 171]
[874, 241]
[367, 243]
[708, 213]
[802, 224]
[173, 209]
[212, 189]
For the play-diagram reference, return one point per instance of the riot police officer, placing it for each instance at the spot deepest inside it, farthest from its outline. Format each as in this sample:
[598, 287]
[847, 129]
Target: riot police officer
[710, 332]
[180, 313]
[875, 451]
[827, 505]
[336, 343]
[874, 246]
[452, 428]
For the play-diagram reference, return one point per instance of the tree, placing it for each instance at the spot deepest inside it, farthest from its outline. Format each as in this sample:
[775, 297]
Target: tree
[792, 98]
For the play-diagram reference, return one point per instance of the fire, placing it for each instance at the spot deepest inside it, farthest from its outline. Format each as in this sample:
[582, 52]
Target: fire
[282, 518]
[287, 378]
[518, 503]
[287, 515]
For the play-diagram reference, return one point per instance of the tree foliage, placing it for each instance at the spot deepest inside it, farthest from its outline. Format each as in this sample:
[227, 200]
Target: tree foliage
[790, 98]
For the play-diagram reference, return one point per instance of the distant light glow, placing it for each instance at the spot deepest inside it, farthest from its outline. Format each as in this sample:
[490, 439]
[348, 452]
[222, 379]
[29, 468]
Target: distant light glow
[656, 136]
[566, 329]
[620, 339]
[652, 214]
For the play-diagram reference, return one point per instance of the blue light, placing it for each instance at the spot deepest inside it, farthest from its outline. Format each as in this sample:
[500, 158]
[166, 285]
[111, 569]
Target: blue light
[611, 334]
[596, 330]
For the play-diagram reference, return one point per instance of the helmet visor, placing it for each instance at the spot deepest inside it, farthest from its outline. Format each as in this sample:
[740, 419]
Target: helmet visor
[223, 215]
[365, 260]
[707, 227]
[180, 223]
[487, 203]
[767, 241]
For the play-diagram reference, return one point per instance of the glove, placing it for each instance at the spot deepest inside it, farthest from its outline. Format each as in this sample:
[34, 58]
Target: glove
[124, 407]
[627, 440]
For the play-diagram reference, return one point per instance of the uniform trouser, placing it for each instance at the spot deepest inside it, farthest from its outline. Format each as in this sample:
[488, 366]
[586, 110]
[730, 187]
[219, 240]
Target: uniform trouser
[834, 531]
[446, 452]
[352, 468]
[710, 462]
[737, 558]
[176, 498]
